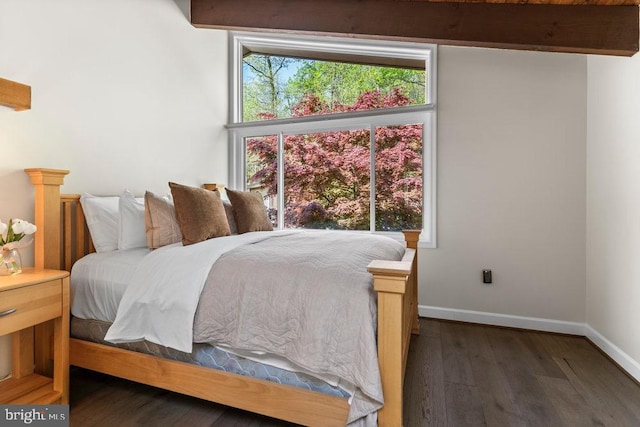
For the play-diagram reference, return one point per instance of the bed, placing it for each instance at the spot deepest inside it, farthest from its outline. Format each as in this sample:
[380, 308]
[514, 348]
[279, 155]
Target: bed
[62, 239]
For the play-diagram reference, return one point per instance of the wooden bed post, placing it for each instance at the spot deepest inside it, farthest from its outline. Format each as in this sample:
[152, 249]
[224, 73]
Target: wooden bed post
[390, 301]
[412, 237]
[47, 184]
[396, 285]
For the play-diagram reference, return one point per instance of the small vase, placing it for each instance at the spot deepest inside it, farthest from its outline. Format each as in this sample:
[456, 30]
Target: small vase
[10, 262]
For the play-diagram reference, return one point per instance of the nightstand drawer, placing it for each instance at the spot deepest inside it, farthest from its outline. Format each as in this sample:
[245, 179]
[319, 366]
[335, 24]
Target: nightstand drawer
[29, 305]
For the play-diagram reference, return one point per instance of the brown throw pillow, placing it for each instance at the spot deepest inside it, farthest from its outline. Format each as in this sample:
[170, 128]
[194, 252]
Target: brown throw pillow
[200, 213]
[249, 211]
[160, 220]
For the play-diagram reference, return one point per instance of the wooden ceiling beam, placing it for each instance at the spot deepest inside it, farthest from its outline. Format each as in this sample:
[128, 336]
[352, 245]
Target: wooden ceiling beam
[609, 30]
[15, 95]
[556, 2]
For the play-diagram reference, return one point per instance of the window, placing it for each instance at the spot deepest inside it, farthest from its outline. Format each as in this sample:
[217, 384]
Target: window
[335, 134]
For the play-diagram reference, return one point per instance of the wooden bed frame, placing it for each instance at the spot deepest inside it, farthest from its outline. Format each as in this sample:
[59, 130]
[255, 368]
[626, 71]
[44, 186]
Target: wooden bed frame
[62, 238]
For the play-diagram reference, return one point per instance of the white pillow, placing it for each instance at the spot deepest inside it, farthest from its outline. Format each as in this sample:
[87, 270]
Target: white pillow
[131, 230]
[101, 214]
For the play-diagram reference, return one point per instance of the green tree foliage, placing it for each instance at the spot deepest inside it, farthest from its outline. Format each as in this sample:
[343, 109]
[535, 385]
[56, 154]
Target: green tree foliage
[339, 84]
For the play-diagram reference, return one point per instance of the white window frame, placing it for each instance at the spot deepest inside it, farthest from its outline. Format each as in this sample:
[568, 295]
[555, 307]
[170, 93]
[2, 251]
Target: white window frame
[424, 114]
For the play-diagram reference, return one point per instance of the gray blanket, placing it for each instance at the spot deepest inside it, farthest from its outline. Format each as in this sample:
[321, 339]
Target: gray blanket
[307, 297]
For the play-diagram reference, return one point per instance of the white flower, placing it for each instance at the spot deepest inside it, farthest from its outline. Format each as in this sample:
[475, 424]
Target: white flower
[15, 231]
[20, 226]
[17, 225]
[29, 228]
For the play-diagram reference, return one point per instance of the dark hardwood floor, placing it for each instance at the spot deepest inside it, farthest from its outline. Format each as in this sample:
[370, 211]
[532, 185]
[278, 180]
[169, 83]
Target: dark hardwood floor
[458, 374]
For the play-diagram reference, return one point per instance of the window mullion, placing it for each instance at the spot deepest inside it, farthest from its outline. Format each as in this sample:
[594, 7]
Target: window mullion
[372, 178]
[237, 162]
[395, 114]
[280, 197]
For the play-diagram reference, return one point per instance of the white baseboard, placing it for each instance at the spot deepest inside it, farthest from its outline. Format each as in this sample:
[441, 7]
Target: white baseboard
[495, 319]
[547, 325]
[613, 351]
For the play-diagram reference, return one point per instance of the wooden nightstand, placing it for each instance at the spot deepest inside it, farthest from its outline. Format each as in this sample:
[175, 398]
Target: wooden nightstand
[34, 307]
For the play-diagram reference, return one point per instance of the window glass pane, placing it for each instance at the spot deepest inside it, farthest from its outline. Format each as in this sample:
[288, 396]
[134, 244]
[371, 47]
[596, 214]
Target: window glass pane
[327, 180]
[281, 87]
[262, 171]
[398, 177]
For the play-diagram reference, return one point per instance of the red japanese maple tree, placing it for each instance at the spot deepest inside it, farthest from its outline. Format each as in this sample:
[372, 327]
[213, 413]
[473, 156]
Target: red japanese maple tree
[327, 175]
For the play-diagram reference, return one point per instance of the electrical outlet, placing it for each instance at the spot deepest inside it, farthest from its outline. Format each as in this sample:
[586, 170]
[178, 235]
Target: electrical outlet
[487, 277]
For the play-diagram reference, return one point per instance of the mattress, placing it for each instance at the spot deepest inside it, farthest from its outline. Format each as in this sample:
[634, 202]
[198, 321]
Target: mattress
[209, 356]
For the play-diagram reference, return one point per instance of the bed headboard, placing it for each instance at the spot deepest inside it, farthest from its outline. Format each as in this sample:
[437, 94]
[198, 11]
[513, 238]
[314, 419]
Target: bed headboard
[62, 237]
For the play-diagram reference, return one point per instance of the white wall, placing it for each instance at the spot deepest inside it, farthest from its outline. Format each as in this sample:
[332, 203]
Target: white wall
[125, 94]
[613, 205]
[511, 186]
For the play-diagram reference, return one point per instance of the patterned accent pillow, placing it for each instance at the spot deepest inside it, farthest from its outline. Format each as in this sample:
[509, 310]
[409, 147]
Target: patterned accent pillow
[200, 213]
[249, 211]
[161, 224]
[228, 210]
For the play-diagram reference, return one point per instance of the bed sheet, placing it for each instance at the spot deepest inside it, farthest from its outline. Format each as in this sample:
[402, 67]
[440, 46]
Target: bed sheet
[99, 280]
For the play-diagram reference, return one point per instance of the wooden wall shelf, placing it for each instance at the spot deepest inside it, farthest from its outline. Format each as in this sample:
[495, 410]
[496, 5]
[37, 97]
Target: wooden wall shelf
[15, 95]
